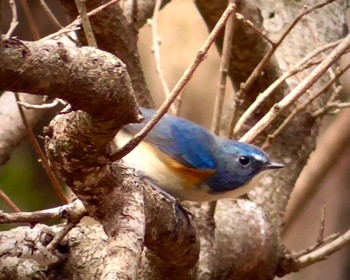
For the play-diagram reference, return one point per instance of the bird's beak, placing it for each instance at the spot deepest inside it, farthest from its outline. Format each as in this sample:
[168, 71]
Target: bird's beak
[274, 165]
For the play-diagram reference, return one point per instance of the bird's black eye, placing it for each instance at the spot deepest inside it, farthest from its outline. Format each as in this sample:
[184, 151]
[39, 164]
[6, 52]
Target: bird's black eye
[244, 160]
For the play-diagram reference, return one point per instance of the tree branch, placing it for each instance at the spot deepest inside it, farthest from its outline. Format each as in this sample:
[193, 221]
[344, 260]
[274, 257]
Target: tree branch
[77, 142]
[115, 35]
[69, 211]
[291, 263]
[27, 64]
[29, 244]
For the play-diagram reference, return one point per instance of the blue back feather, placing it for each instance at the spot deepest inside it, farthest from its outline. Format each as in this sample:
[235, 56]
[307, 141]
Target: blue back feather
[182, 140]
[194, 147]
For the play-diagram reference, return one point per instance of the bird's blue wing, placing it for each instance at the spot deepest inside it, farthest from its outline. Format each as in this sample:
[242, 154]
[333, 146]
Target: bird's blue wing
[185, 142]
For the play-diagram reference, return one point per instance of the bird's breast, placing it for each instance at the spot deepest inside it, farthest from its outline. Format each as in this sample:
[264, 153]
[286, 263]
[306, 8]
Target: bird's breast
[160, 168]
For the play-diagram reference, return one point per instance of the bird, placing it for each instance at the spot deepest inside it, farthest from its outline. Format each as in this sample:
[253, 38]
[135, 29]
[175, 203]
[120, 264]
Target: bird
[184, 160]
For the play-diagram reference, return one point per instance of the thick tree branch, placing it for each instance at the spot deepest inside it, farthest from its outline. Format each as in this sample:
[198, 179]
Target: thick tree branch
[13, 133]
[29, 244]
[24, 65]
[115, 35]
[76, 144]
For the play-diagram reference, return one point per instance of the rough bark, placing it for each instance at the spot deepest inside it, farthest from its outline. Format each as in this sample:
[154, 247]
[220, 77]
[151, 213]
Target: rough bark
[77, 145]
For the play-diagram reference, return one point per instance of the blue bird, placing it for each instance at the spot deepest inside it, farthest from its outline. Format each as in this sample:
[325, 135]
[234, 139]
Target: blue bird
[190, 163]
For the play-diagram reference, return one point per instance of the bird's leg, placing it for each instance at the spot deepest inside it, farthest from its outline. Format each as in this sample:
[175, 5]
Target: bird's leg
[175, 203]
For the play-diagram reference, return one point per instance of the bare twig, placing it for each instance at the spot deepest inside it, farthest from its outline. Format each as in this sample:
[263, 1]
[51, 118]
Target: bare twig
[322, 226]
[323, 252]
[55, 21]
[54, 181]
[316, 253]
[297, 91]
[61, 234]
[14, 21]
[31, 21]
[317, 41]
[300, 66]
[253, 76]
[156, 52]
[177, 89]
[89, 34]
[50, 14]
[54, 103]
[9, 202]
[305, 104]
[224, 64]
[74, 25]
[69, 211]
[78, 211]
[331, 108]
[313, 247]
[257, 30]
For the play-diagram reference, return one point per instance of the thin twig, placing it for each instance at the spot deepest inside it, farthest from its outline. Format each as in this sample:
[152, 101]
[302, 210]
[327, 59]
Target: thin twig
[224, 65]
[39, 106]
[294, 95]
[256, 72]
[322, 226]
[284, 124]
[54, 181]
[300, 66]
[48, 11]
[323, 252]
[331, 108]
[74, 25]
[14, 21]
[317, 40]
[50, 105]
[316, 253]
[156, 52]
[327, 239]
[89, 34]
[77, 214]
[9, 202]
[64, 31]
[251, 25]
[69, 211]
[177, 89]
[305, 104]
[32, 25]
[61, 234]
[54, 20]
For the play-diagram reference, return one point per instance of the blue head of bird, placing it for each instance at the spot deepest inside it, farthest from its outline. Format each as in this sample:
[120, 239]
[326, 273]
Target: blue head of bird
[238, 163]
